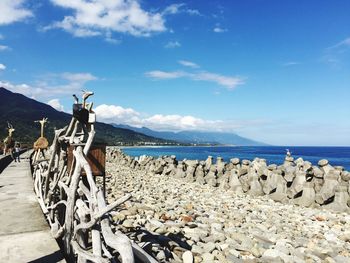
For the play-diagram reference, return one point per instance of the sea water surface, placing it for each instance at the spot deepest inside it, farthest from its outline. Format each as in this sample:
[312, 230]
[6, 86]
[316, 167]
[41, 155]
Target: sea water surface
[272, 154]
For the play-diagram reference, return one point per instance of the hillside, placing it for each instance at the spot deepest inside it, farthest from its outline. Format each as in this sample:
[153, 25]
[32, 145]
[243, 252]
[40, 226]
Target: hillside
[198, 137]
[22, 111]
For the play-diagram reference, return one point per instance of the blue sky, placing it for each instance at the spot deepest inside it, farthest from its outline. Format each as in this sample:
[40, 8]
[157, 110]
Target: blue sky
[274, 71]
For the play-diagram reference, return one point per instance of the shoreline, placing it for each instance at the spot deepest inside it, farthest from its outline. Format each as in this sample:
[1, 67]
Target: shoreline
[177, 146]
[272, 154]
[296, 180]
[229, 145]
[230, 213]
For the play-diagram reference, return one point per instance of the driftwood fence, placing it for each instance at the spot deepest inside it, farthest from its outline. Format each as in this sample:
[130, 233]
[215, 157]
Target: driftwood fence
[73, 203]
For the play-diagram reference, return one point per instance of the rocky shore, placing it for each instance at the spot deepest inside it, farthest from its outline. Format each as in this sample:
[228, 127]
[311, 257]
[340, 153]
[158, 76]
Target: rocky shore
[240, 211]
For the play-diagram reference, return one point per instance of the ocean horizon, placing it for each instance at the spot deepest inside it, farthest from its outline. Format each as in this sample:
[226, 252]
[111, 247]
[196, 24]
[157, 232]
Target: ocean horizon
[336, 155]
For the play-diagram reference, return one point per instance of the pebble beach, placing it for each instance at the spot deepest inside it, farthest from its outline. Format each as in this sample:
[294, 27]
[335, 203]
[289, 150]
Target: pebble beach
[180, 219]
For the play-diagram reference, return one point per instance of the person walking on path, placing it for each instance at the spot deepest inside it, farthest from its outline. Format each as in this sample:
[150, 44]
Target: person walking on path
[16, 153]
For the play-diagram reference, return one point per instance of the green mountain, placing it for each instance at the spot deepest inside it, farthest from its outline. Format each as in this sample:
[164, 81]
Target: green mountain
[22, 111]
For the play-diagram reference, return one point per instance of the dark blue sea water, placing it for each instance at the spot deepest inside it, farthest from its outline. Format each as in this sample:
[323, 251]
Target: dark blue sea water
[273, 154]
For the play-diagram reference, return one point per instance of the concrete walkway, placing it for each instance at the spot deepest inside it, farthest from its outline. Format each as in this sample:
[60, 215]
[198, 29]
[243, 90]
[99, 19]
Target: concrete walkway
[24, 233]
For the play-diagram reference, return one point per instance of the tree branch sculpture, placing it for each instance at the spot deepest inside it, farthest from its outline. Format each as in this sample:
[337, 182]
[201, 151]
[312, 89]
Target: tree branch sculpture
[9, 143]
[75, 208]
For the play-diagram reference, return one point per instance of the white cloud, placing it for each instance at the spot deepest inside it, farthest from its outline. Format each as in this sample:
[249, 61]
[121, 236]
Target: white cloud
[173, 9]
[218, 29]
[4, 48]
[94, 18]
[172, 44]
[87, 18]
[341, 44]
[55, 85]
[161, 122]
[174, 122]
[187, 63]
[228, 82]
[180, 8]
[13, 11]
[55, 103]
[337, 54]
[23, 88]
[158, 74]
[2, 67]
[193, 12]
[68, 25]
[117, 114]
[110, 39]
[113, 40]
[78, 77]
[291, 63]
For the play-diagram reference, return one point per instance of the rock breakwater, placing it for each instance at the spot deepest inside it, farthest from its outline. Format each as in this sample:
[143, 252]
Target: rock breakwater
[295, 182]
[182, 213]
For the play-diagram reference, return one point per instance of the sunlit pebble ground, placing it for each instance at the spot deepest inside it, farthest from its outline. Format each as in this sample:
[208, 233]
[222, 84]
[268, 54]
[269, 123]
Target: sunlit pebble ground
[220, 226]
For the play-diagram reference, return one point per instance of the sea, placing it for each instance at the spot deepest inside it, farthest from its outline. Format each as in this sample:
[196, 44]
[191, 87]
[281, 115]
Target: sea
[273, 154]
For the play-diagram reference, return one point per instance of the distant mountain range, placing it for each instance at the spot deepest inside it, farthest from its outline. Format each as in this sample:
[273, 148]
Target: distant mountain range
[197, 137]
[22, 111]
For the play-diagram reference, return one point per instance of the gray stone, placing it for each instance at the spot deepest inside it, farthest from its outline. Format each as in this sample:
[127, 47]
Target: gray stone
[298, 184]
[256, 251]
[187, 257]
[341, 199]
[159, 169]
[234, 259]
[190, 171]
[274, 254]
[197, 249]
[235, 161]
[345, 176]
[288, 160]
[128, 223]
[223, 180]
[199, 174]
[341, 259]
[208, 162]
[180, 173]
[161, 255]
[210, 178]
[318, 183]
[280, 195]
[207, 257]
[218, 236]
[208, 247]
[338, 167]
[328, 189]
[234, 183]
[255, 186]
[308, 196]
[323, 162]
[272, 167]
[246, 162]
[271, 182]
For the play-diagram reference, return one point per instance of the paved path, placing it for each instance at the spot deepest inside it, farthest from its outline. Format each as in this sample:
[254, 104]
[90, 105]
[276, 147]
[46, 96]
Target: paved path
[24, 233]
